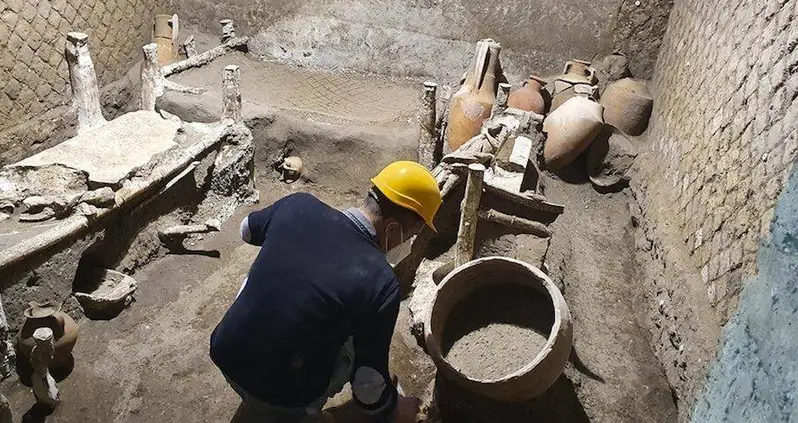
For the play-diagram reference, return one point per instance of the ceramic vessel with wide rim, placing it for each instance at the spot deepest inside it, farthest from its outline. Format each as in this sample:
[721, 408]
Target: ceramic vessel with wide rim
[530, 96]
[576, 73]
[65, 331]
[533, 378]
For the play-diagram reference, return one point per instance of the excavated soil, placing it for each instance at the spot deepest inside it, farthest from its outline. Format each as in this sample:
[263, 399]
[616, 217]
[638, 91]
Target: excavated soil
[151, 364]
[497, 330]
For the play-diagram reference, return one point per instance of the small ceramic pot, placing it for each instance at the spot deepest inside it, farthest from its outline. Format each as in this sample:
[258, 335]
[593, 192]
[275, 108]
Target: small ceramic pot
[65, 331]
[530, 97]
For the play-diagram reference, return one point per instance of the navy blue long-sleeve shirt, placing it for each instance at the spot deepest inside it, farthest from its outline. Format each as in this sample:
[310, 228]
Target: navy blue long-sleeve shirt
[319, 279]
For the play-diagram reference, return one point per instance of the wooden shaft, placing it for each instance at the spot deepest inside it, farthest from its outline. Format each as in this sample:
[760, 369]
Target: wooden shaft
[231, 93]
[429, 149]
[206, 56]
[151, 86]
[515, 222]
[464, 250]
[502, 96]
[83, 79]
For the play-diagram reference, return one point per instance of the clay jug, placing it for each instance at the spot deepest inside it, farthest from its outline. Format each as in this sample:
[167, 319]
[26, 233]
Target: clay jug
[627, 105]
[576, 72]
[570, 129]
[163, 36]
[472, 104]
[530, 96]
[65, 331]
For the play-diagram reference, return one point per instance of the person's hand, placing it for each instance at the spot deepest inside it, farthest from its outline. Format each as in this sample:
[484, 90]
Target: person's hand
[407, 409]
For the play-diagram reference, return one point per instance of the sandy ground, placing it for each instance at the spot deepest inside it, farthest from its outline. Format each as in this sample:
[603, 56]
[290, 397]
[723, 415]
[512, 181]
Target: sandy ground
[336, 99]
[497, 330]
[150, 364]
[592, 254]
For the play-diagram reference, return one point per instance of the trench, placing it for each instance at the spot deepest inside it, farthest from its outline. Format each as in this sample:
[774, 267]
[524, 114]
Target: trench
[150, 363]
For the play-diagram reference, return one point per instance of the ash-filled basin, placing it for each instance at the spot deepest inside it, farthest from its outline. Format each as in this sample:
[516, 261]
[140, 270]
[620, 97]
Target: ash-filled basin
[499, 327]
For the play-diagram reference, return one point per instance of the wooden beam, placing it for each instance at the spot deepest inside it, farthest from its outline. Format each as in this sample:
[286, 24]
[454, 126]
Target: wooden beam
[464, 250]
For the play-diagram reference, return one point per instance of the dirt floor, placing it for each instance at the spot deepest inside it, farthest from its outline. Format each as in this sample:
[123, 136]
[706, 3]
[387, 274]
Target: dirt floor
[614, 370]
[151, 362]
[336, 99]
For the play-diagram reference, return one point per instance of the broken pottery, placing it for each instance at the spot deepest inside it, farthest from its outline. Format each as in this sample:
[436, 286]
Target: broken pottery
[471, 105]
[576, 72]
[530, 96]
[535, 377]
[114, 293]
[65, 331]
[609, 159]
[627, 105]
[570, 130]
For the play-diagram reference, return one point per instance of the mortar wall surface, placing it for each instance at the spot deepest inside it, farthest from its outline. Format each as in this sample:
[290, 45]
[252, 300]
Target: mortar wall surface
[433, 38]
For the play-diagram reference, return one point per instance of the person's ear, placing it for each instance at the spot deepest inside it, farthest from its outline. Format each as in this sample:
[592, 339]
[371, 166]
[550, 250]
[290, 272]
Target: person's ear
[393, 234]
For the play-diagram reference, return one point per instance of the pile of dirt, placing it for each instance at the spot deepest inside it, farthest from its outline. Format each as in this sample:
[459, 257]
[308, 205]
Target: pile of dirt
[497, 330]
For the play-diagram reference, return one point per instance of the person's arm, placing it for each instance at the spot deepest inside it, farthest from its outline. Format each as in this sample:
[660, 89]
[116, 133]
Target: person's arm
[253, 227]
[371, 382]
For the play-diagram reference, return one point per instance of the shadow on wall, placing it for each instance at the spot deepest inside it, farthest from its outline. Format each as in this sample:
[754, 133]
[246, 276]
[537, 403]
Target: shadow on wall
[754, 375]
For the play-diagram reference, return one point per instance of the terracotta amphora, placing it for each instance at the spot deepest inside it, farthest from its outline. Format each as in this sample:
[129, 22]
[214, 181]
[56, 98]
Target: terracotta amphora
[576, 72]
[627, 105]
[530, 96]
[472, 104]
[570, 129]
[163, 34]
[65, 331]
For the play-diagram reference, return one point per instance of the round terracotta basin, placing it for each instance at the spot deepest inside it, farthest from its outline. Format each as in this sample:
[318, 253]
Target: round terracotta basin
[500, 290]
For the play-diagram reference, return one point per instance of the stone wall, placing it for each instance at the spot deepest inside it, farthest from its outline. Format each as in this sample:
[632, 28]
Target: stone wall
[436, 38]
[723, 141]
[33, 71]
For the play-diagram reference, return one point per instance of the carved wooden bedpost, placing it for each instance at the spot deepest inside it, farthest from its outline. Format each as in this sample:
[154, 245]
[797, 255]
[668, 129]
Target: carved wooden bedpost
[430, 149]
[228, 30]
[231, 93]
[464, 249]
[151, 87]
[190, 46]
[83, 79]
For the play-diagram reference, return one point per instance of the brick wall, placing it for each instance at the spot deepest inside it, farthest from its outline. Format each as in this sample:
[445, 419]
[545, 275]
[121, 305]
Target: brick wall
[722, 141]
[724, 129]
[33, 71]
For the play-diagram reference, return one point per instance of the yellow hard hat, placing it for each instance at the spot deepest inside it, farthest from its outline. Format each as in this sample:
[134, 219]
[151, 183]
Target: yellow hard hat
[410, 185]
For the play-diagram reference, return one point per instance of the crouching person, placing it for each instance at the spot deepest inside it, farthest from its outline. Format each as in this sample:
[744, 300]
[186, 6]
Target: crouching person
[320, 302]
